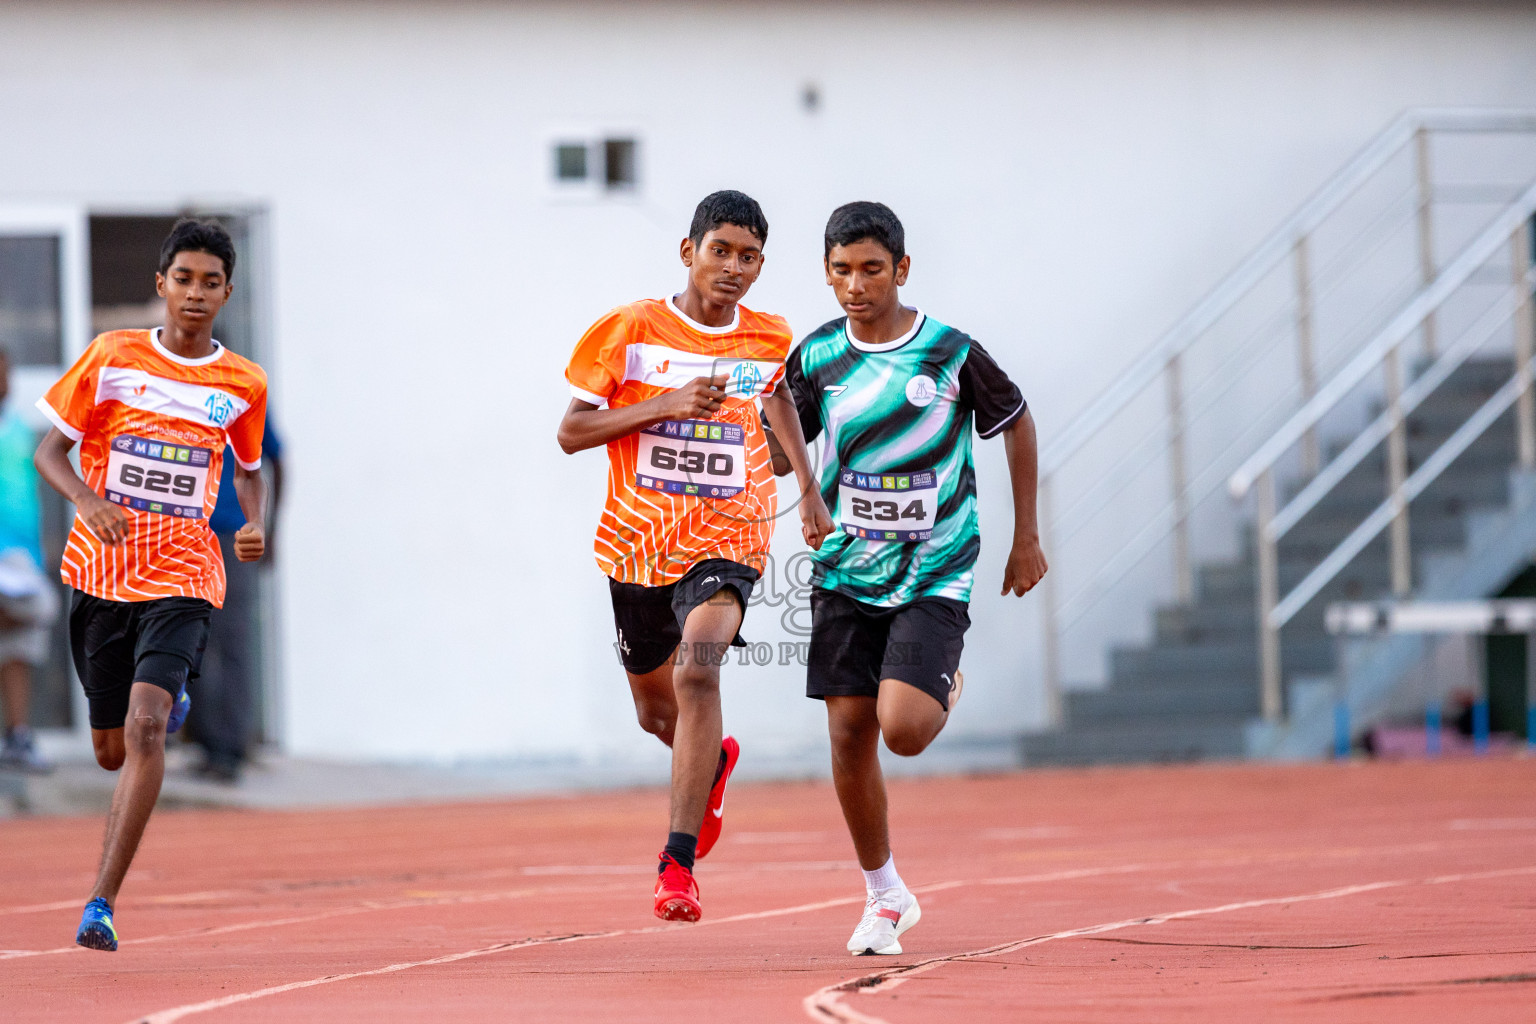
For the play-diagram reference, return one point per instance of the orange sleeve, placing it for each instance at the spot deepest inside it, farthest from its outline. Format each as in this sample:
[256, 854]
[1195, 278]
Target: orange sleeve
[68, 404]
[598, 364]
[783, 338]
[246, 432]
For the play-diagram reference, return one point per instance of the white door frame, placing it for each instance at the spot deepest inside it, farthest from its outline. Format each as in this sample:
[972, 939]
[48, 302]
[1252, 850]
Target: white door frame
[70, 224]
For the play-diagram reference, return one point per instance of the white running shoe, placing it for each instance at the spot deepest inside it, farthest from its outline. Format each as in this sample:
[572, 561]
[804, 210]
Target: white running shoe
[887, 914]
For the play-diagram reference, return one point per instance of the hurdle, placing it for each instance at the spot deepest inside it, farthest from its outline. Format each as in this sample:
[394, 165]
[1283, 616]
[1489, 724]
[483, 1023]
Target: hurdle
[1467, 618]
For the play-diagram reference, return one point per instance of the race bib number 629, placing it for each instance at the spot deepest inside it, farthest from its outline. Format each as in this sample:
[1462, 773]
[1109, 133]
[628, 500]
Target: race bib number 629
[152, 476]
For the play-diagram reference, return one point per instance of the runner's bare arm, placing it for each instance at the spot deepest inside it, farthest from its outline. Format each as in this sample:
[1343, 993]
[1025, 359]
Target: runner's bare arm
[1026, 562]
[815, 521]
[103, 518]
[586, 426]
[251, 489]
[781, 466]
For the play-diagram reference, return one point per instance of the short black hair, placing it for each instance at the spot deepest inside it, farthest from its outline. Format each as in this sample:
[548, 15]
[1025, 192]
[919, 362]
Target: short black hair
[191, 234]
[728, 207]
[855, 222]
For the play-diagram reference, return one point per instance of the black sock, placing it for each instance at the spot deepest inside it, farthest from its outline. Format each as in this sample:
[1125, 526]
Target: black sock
[719, 768]
[680, 847]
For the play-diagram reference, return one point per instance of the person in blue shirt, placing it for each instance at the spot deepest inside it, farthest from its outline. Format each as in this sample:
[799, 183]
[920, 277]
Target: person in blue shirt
[221, 718]
[28, 601]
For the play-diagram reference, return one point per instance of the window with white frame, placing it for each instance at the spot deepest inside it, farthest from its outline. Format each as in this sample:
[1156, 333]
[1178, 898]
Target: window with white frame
[595, 165]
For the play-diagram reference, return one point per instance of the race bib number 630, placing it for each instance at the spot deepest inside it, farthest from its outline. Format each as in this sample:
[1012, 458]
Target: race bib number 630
[697, 457]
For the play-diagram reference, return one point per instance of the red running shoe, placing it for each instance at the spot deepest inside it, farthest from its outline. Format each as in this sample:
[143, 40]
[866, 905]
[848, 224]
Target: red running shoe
[677, 894]
[709, 832]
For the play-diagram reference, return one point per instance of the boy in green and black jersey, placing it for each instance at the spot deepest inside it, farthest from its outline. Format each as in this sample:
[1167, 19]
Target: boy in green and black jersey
[897, 394]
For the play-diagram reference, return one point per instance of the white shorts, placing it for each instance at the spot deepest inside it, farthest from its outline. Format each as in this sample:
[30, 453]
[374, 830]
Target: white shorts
[32, 603]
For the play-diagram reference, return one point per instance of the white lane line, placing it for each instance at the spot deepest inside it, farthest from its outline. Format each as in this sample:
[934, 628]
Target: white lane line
[825, 1005]
[259, 891]
[177, 1013]
[726, 869]
[371, 906]
[186, 897]
[366, 907]
[193, 1008]
[720, 870]
[788, 838]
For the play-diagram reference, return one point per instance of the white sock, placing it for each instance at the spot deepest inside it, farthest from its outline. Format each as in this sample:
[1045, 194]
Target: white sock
[884, 877]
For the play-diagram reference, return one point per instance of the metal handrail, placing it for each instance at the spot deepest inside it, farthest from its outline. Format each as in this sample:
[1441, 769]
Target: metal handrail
[1288, 248]
[1368, 358]
[1509, 227]
[1276, 247]
[1383, 514]
[1377, 430]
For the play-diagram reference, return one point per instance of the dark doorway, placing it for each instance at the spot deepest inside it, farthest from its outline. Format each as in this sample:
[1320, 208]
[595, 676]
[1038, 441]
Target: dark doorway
[1507, 656]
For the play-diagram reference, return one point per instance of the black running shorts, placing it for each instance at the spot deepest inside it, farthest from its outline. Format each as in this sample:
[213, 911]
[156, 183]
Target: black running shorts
[118, 643]
[855, 645]
[650, 620]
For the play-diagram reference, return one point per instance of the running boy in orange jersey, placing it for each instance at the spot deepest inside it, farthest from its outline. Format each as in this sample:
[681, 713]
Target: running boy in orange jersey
[691, 501]
[151, 411]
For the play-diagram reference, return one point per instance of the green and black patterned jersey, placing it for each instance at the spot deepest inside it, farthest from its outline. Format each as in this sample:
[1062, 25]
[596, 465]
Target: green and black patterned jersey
[897, 472]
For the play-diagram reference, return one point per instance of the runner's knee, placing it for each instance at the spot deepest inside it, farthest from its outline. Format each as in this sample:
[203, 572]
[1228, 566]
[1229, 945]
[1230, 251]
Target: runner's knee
[144, 732]
[696, 679]
[109, 752]
[851, 733]
[656, 717]
[907, 739]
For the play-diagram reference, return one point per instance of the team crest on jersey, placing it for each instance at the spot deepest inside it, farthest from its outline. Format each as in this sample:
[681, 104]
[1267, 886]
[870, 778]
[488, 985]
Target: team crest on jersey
[745, 379]
[221, 408]
[921, 390]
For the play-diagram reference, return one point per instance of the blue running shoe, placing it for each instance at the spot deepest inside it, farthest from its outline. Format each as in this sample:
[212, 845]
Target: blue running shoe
[179, 709]
[96, 931]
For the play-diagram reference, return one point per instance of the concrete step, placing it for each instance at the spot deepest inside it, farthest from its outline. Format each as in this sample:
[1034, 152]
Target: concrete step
[1192, 692]
[1441, 415]
[1200, 623]
[1227, 623]
[1361, 491]
[1486, 367]
[1313, 539]
[1365, 578]
[1171, 665]
[1226, 582]
[1227, 696]
[1202, 738]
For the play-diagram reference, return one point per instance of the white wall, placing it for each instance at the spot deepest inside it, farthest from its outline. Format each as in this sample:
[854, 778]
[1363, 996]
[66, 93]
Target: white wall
[1072, 177]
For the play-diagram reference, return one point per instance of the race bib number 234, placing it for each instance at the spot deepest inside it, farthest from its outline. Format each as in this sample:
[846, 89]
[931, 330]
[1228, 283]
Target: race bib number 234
[887, 506]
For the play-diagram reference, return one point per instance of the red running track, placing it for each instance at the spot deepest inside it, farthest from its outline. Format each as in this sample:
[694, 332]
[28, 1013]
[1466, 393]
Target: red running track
[1357, 892]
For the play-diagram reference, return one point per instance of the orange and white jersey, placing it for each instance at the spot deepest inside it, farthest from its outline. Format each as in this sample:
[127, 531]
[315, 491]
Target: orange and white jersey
[152, 428]
[685, 491]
